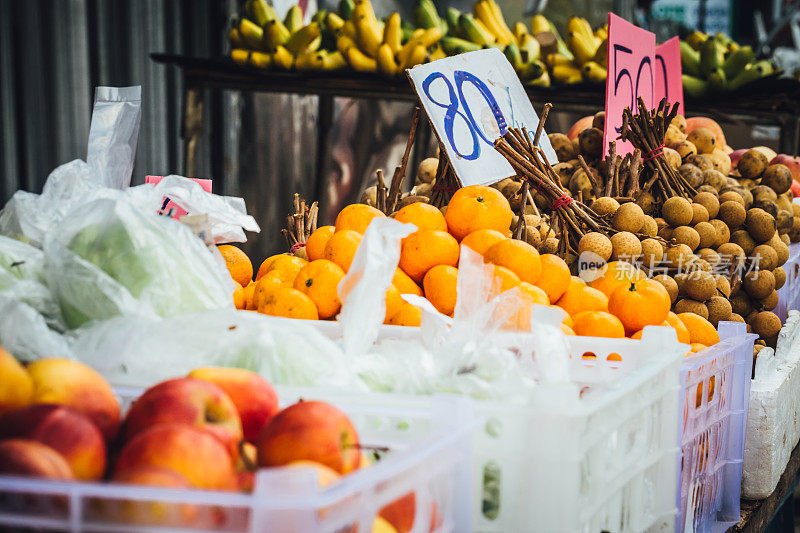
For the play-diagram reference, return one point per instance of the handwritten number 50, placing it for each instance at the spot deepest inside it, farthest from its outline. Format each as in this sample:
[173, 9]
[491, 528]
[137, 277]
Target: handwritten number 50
[624, 72]
[452, 108]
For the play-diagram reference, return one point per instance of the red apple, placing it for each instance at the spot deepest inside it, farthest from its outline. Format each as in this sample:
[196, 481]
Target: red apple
[187, 401]
[792, 163]
[579, 126]
[253, 396]
[194, 453]
[153, 512]
[78, 386]
[65, 430]
[314, 431]
[795, 188]
[400, 513]
[25, 457]
[736, 155]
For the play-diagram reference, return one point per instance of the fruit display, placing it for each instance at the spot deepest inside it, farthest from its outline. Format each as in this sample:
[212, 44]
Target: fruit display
[715, 64]
[59, 419]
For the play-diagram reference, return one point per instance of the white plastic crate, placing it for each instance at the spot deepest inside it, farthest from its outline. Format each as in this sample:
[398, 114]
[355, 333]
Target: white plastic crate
[596, 454]
[430, 454]
[789, 293]
[773, 422]
[714, 403]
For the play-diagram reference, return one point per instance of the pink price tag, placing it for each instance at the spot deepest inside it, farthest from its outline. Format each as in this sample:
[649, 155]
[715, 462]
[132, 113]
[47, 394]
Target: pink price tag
[631, 73]
[669, 83]
[168, 207]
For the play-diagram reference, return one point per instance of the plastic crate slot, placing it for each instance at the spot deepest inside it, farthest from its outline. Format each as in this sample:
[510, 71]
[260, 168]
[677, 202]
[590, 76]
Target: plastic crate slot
[491, 490]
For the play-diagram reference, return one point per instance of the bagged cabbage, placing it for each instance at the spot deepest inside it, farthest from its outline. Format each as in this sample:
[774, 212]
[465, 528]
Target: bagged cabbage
[111, 257]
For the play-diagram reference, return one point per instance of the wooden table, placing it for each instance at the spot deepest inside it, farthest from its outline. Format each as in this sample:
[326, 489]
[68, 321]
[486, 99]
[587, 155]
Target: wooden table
[756, 515]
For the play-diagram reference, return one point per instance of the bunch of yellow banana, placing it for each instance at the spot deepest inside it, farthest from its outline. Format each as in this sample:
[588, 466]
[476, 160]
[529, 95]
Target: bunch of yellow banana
[587, 60]
[263, 40]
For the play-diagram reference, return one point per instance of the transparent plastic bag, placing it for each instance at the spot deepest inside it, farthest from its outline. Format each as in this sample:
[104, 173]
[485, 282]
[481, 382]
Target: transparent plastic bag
[25, 332]
[113, 134]
[111, 257]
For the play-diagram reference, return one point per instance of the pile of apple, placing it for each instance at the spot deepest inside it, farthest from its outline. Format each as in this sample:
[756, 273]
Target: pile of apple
[59, 419]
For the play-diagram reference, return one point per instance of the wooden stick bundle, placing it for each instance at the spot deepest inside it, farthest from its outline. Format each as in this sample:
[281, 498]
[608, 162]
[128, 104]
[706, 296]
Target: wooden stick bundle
[300, 224]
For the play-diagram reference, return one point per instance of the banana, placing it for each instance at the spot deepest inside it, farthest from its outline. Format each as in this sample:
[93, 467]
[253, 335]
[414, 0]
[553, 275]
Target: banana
[275, 34]
[334, 22]
[349, 29]
[293, 19]
[437, 53]
[482, 11]
[513, 55]
[559, 59]
[346, 8]
[334, 61]
[694, 86]
[751, 73]
[251, 34]
[416, 57]
[392, 32]
[696, 39]
[722, 39]
[386, 62]
[736, 61]
[541, 81]
[529, 47]
[717, 82]
[601, 56]
[475, 30]
[424, 15]
[501, 20]
[301, 40]
[580, 26]
[240, 56]
[567, 74]
[453, 46]
[360, 61]
[310, 61]
[602, 32]
[712, 57]
[320, 17]
[343, 42]
[531, 71]
[424, 38]
[520, 29]
[283, 58]
[260, 59]
[408, 31]
[582, 47]
[540, 24]
[235, 39]
[594, 72]
[733, 46]
[259, 11]
[451, 17]
[368, 32]
[690, 59]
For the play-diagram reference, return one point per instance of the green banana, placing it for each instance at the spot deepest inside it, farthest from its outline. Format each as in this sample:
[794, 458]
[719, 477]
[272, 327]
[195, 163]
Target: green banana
[736, 61]
[301, 40]
[722, 39]
[293, 19]
[424, 15]
[751, 73]
[717, 82]
[513, 55]
[712, 56]
[455, 45]
[474, 30]
[320, 17]
[275, 34]
[451, 16]
[696, 87]
[531, 71]
[690, 59]
[407, 29]
[346, 8]
[529, 48]
[259, 11]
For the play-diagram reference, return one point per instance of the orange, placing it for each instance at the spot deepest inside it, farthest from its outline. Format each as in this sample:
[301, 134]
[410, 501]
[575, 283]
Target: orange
[422, 215]
[267, 282]
[555, 278]
[477, 207]
[518, 256]
[342, 246]
[315, 245]
[508, 280]
[700, 330]
[538, 295]
[566, 330]
[639, 304]
[480, 240]
[598, 324]
[393, 303]
[675, 322]
[238, 263]
[617, 274]
[356, 217]
[239, 297]
[405, 284]
[424, 249]
[319, 280]
[575, 280]
[266, 264]
[578, 298]
[248, 296]
[407, 315]
[287, 302]
[440, 288]
[698, 347]
[567, 318]
[637, 335]
[287, 266]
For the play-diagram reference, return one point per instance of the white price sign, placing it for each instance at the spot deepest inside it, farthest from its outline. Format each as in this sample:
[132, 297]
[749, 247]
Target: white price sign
[471, 100]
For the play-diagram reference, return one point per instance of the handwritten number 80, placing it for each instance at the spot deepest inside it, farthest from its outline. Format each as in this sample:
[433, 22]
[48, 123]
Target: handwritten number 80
[452, 108]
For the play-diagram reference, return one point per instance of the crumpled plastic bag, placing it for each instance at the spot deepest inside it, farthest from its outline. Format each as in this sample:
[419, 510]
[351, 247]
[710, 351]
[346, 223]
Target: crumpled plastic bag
[150, 350]
[113, 134]
[112, 257]
[25, 332]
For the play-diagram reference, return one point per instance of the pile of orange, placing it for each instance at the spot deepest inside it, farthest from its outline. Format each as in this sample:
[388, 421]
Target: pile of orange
[619, 303]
